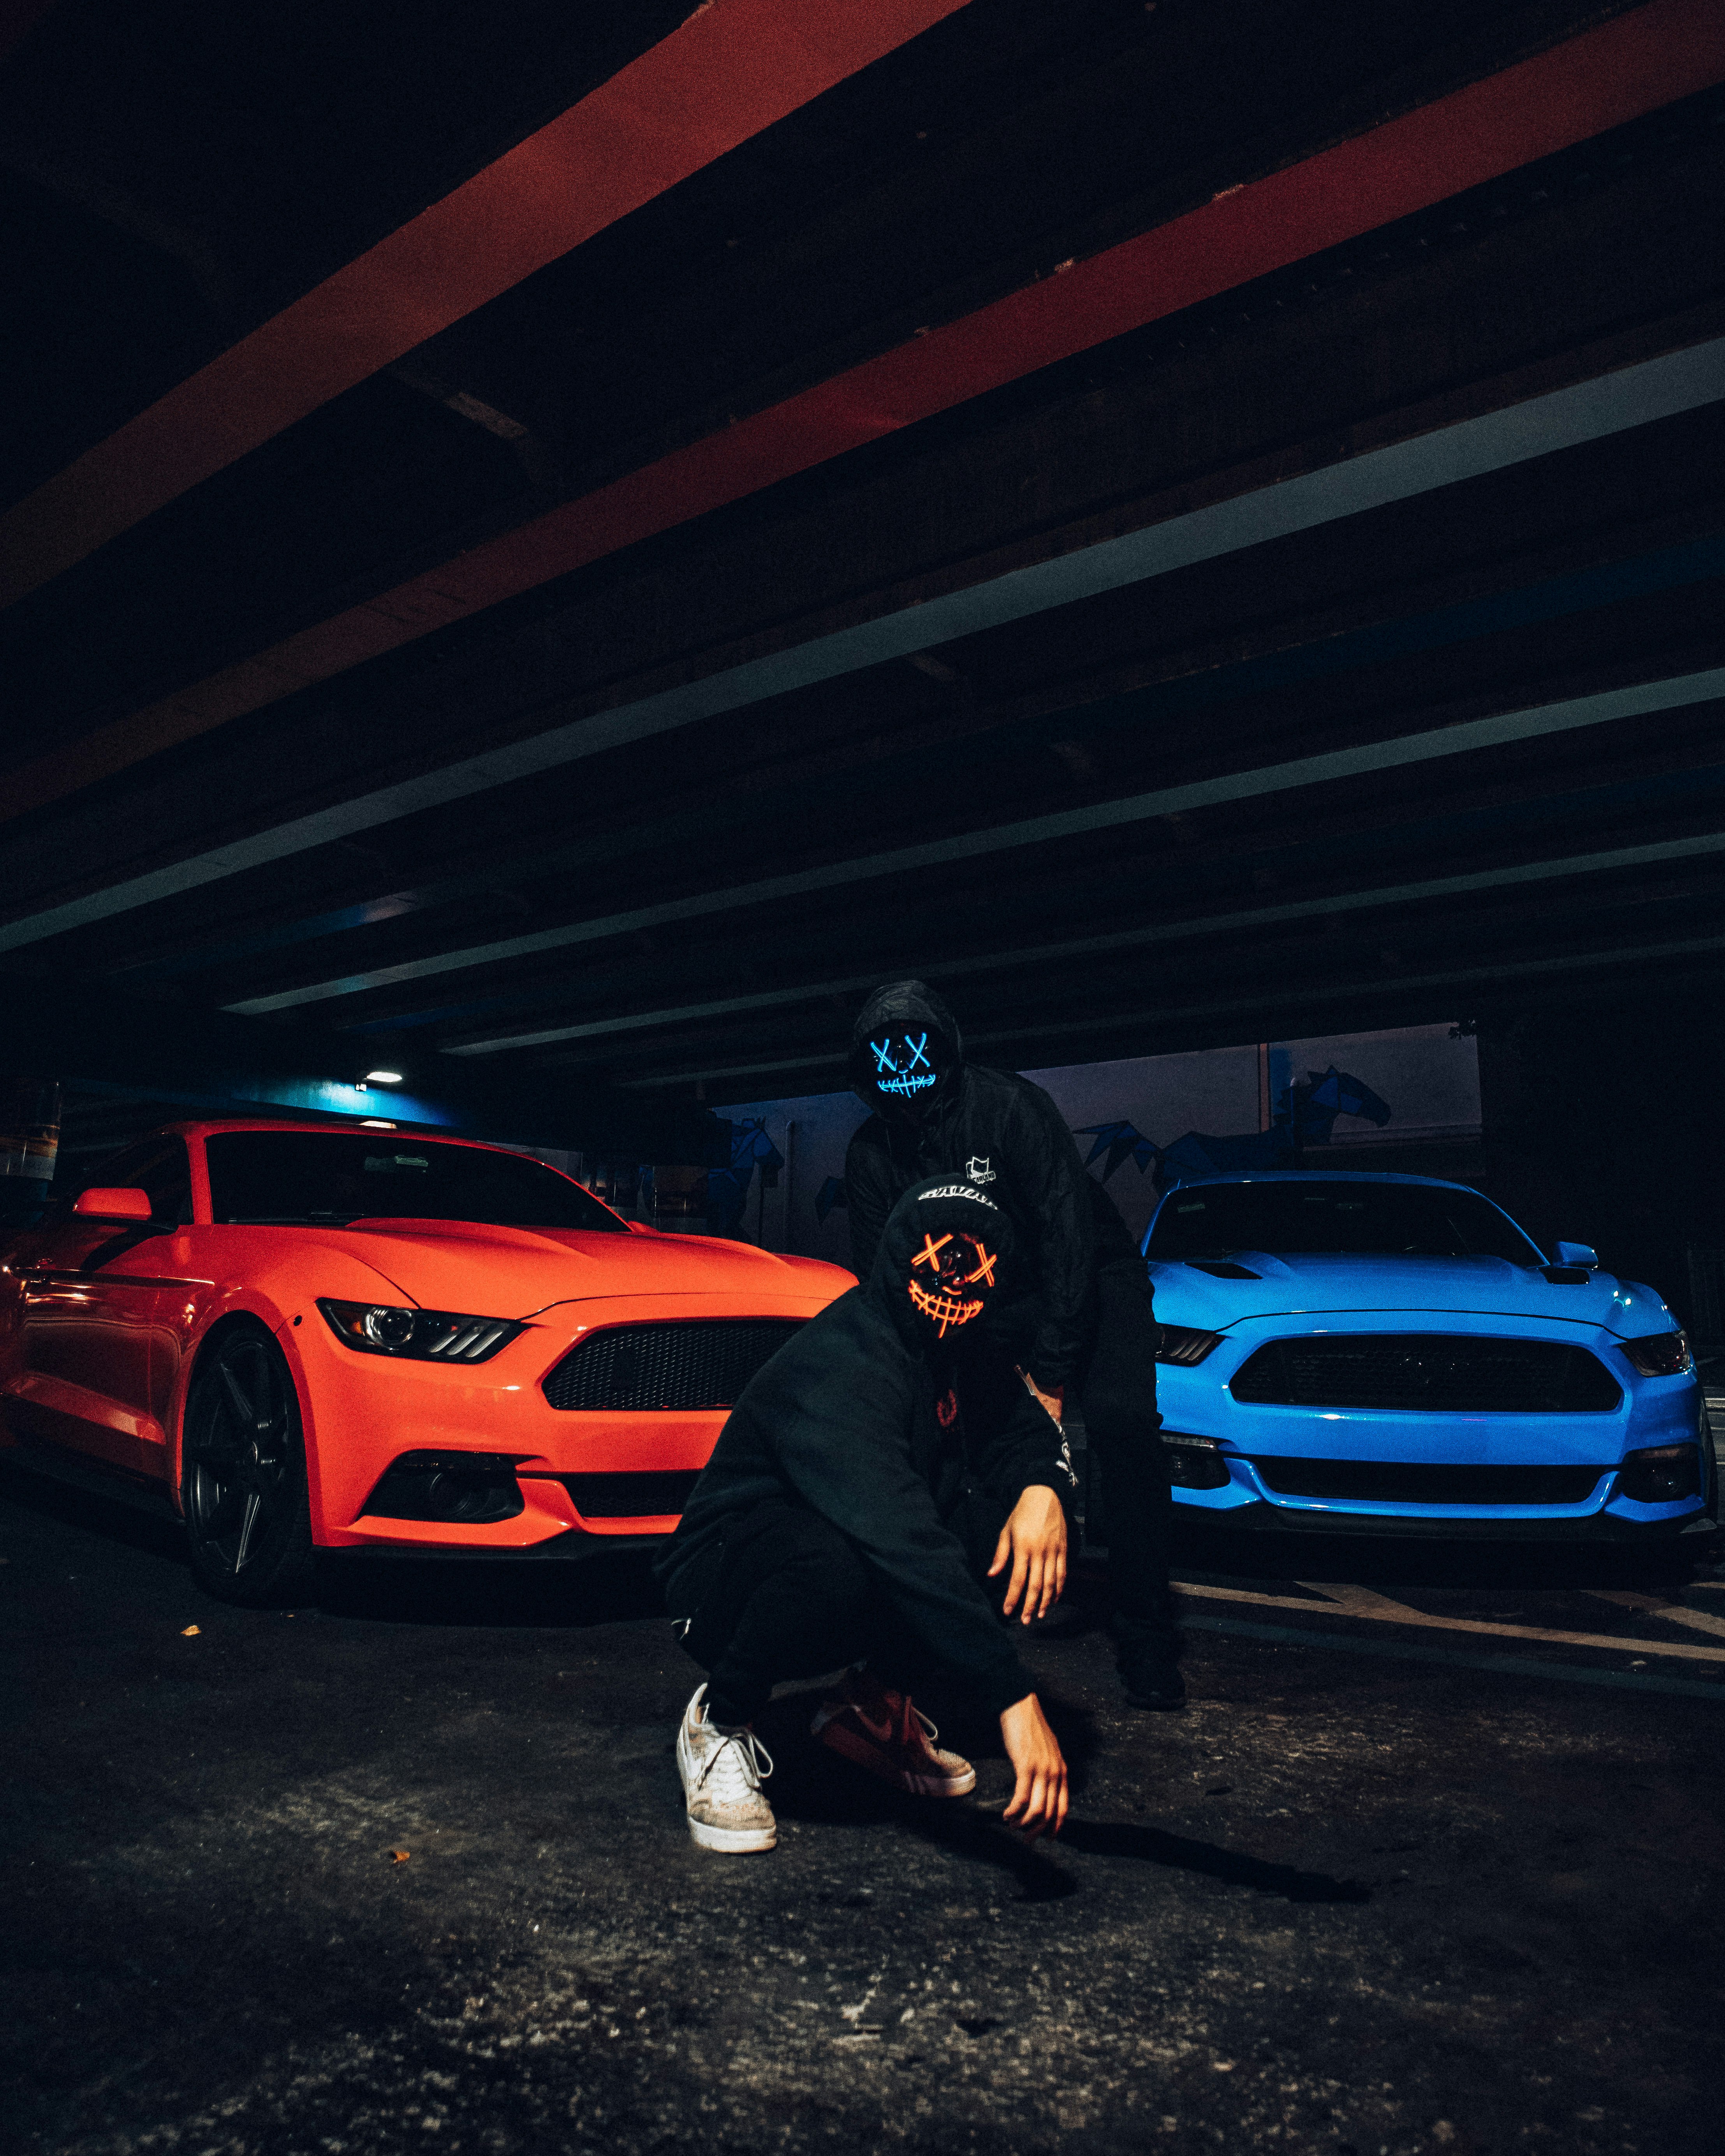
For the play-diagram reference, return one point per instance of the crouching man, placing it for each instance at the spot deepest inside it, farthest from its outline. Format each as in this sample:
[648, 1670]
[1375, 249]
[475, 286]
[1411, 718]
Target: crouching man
[841, 1520]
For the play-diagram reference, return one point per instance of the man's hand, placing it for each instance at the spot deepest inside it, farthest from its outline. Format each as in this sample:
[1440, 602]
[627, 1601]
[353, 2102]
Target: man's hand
[1053, 1403]
[1034, 1541]
[1039, 1795]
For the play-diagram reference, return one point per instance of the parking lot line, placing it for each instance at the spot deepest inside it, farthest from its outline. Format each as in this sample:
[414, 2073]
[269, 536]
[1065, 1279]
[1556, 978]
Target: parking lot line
[1377, 1609]
[1409, 1650]
[1698, 1620]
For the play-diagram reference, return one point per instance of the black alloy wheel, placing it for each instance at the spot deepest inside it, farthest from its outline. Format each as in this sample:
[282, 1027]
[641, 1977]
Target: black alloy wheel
[243, 1473]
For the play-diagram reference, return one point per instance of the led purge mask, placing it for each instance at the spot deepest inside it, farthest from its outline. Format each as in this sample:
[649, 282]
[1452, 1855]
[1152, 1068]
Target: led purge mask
[950, 1279]
[903, 1067]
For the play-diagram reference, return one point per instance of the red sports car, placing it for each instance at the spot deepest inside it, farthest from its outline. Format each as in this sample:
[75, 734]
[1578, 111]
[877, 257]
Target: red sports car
[303, 1336]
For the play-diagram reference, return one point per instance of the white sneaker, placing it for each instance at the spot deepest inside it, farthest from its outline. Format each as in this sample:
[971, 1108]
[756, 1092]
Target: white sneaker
[722, 1770]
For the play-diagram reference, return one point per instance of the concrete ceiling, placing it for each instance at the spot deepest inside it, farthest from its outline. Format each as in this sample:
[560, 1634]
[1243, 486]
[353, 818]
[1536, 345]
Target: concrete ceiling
[1179, 524]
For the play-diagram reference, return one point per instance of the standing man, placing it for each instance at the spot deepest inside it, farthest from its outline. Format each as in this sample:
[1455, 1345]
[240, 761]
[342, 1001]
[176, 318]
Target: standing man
[847, 1518]
[1079, 1319]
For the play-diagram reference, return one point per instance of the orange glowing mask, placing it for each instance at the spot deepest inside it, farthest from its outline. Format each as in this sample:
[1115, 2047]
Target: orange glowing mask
[959, 1272]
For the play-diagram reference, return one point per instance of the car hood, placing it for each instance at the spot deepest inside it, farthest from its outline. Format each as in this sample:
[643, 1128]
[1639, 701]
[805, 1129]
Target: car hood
[1485, 1286]
[517, 1272]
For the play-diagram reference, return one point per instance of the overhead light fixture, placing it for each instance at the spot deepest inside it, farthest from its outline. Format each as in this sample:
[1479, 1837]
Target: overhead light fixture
[372, 1123]
[383, 1078]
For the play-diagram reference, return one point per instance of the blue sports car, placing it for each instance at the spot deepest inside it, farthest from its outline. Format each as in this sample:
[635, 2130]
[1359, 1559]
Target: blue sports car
[1392, 1354]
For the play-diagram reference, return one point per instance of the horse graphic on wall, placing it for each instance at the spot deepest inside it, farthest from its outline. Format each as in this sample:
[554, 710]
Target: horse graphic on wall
[727, 1188]
[1306, 1117]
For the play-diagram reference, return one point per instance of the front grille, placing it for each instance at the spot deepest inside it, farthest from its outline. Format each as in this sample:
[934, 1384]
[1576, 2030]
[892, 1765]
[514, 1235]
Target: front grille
[644, 1495]
[1429, 1374]
[1422, 1482]
[695, 1363]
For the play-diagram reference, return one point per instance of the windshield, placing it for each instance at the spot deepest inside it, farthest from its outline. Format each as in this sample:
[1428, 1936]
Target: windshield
[1354, 1219]
[311, 1177]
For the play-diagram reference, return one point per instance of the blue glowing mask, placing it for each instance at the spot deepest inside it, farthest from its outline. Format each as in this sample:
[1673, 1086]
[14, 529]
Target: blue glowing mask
[904, 1070]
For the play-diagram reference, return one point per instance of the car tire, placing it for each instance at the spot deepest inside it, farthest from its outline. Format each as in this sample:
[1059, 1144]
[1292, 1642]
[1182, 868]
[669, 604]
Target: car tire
[243, 1473]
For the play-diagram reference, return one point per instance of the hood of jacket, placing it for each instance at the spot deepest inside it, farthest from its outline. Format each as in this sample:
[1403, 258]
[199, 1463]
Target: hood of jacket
[944, 1205]
[906, 1052]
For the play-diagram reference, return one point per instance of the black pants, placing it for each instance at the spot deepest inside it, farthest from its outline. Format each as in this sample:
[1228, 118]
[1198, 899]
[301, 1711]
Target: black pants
[788, 1596]
[1115, 1388]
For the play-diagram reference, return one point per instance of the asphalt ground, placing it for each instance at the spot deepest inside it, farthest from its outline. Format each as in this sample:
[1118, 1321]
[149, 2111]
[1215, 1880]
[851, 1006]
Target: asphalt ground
[406, 1870]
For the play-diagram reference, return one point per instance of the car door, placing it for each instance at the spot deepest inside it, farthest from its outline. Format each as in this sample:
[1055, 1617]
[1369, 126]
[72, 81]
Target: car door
[92, 1292]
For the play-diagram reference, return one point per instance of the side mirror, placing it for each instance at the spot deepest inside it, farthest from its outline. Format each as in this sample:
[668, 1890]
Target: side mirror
[1578, 1253]
[640, 1227]
[110, 1205]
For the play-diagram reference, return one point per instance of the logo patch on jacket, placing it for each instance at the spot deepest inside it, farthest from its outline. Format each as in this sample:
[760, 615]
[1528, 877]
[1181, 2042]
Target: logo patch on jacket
[979, 1171]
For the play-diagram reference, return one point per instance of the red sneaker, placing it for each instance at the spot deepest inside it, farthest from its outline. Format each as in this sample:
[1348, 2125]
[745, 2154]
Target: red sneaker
[882, 1731]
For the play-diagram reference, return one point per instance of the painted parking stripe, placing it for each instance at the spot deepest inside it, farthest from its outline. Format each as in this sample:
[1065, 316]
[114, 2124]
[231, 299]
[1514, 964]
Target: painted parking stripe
[1697, 1620]
[1516, 1665]
[1361, 1602]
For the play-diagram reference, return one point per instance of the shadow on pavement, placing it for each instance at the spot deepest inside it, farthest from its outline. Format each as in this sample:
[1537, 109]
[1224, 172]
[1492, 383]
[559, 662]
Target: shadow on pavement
[602, 1590]
[1393, 1562]
[107, 1519]
[1151, 1845]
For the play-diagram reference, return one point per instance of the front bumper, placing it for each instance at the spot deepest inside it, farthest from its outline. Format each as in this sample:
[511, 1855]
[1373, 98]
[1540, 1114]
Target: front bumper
[1651, 1412]
[1450, 1523]
[363, 1413]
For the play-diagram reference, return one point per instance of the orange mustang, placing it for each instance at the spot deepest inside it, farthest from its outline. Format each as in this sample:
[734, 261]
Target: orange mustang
[304, 1335]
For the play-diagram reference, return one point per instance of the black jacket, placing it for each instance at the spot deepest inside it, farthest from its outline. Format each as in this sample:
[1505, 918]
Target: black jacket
[855, 1417]
[1007, 1134]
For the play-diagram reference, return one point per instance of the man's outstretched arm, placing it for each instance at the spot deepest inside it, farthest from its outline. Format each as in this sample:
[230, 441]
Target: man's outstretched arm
[1039, 1794]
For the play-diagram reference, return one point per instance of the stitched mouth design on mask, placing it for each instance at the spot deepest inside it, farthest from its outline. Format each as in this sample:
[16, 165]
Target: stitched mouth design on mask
[902, 1065]
[955, 1263]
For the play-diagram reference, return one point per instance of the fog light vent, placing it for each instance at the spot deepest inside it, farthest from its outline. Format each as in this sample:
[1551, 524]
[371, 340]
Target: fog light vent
[1660, 1474]
[464, 1489]
[1194, 1463]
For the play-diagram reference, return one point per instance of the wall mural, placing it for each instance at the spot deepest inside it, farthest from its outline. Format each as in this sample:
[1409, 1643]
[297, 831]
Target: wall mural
[727, 1188]
[1305, 1115]
[1325, 1098]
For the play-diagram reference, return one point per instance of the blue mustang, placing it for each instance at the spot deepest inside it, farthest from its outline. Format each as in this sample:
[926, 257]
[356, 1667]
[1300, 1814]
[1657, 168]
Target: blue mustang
[1392, 1354]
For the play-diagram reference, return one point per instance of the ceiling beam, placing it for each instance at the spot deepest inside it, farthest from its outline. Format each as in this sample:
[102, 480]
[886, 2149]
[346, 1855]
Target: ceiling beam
[1259, 1016]
[1158, 932]
[1434, 743]
[731, 70]
[1629, 396]
[1602, 79]
[1123, 721]
[211, 1057]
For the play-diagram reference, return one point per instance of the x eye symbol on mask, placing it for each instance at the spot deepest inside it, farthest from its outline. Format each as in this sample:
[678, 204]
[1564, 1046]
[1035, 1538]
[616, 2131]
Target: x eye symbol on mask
[984, 1267]
[916, 1048]
[883, 1055]
[929, 1254]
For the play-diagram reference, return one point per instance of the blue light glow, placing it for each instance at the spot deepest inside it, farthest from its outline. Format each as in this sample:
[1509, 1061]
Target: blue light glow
[907, 1071]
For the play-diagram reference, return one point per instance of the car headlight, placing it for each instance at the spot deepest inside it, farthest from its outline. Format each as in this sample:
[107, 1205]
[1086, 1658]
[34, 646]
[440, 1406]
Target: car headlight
[419, 1336]
[1660, 1354]
[1185, 1343]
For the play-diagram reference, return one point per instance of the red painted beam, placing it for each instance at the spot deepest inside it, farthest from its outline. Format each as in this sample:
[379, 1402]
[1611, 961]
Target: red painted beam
[734, 67]
[1602, 79]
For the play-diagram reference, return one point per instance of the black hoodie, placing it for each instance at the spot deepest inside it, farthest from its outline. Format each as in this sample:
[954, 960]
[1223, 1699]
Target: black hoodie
[1008, 1134]
[855, 1419]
